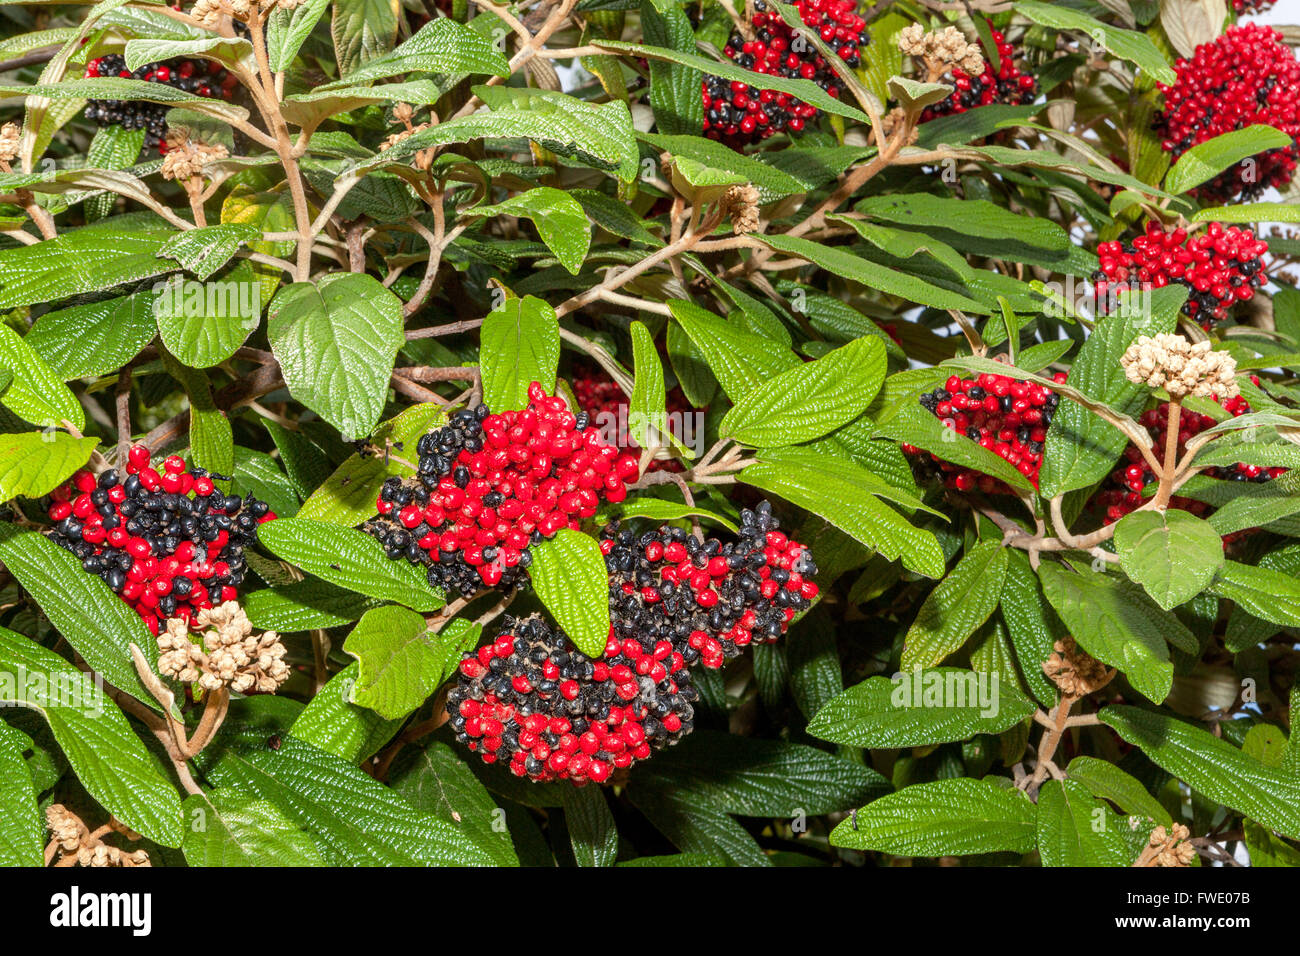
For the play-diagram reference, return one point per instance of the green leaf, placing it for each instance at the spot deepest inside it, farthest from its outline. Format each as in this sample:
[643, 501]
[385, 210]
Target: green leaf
[105, 754]
[661, 510]
[916, 426]
[336, 340]
[1104, 779]
[1082, 448]
[225, 828]
[440, 46]
[437, 781]
[35, 392]
[22, 832]
[674, 87]
[1251, 212]
[94, 339]
[1115, 622]
[349, 558]
[348, 496]
[131, 91]
[811, 400]
[287, 30]
[33, 464]
[519, 345]
[112, 148]
[957, 608]
[695, 827]
[559, 218]
[592, 830]
[303, 606]
[205, 250]
[1266, 593]
[569, 574]
[94, 620]
[1203, 162]
[741, 360]
[203, 323]
[844, 494]
[647, 406]
[806, 90]
[1172, 554]
[401, 662]
[1074, 829]
[333, 723]
[973, 217]
[1135, 47]
[920, 708]
[841, 262]
[1212, 767]
[362, 30]
[1031, 625]
[353, 818]
[915, 95]
[771, 182]
[957, 817]
[600, 136]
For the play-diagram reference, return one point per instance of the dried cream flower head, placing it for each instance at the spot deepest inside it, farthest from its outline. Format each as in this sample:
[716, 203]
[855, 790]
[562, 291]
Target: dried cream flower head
[1074, 670]
[186, 158]
[1181, 367]
[66, 827]
[942, 50]
[9, 136]
[1172, 848]
[210, 12]
[231, 654]
[740, 203]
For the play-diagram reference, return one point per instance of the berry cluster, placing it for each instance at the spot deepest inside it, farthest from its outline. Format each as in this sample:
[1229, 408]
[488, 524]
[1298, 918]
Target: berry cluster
[1247, 7]
[707, 598]
[604, 401]
[736, 113]
[1007, 416]
[1220, 266]
[1008, 85]
[1244, 78]
[208, 80]
[489, 486]
[534, 702]
[170, 544]
[1122, 491]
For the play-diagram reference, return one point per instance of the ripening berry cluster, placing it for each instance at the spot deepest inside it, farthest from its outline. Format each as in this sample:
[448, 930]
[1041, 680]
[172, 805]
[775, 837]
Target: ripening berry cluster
[1247, 7]
[1246, 77]
[599, 395]
[708, 598]
[490, 485]
[1122, 491]
[169, 543]
[1007, 85]
[737, 113]
[206, 79]
[537, 704]
[1220, 266]
[1007, 416]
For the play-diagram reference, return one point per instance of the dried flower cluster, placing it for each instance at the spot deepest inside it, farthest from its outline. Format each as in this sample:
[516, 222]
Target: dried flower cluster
[210, 12]
[9, 136]
[231, 655]
[1181, 367]
[942, 50]
[1170, 847]
[741, 206]
[74, 840]
[186, 158]
[1075, 672]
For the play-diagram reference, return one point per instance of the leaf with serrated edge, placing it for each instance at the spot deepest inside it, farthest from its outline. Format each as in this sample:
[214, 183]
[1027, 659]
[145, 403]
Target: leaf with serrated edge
[569, 575]
[34, 463]
[519, 345]
[957, 608]
[239, 830]
[401, 661]
[1172, 554]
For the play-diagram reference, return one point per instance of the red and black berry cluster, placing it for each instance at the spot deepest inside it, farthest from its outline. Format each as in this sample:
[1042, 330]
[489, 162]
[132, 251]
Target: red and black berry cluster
[1007, 85]
[490, 485]
[737, 113]
[1246, 77]
[1122, 491]
[1007, 416]
[201, 78]
[169, 543]
[1220, 266]
[709, 599]
[537, 704]
[1247, 7]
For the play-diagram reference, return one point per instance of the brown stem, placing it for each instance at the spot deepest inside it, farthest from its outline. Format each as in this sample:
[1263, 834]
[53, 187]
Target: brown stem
[1169, 468]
